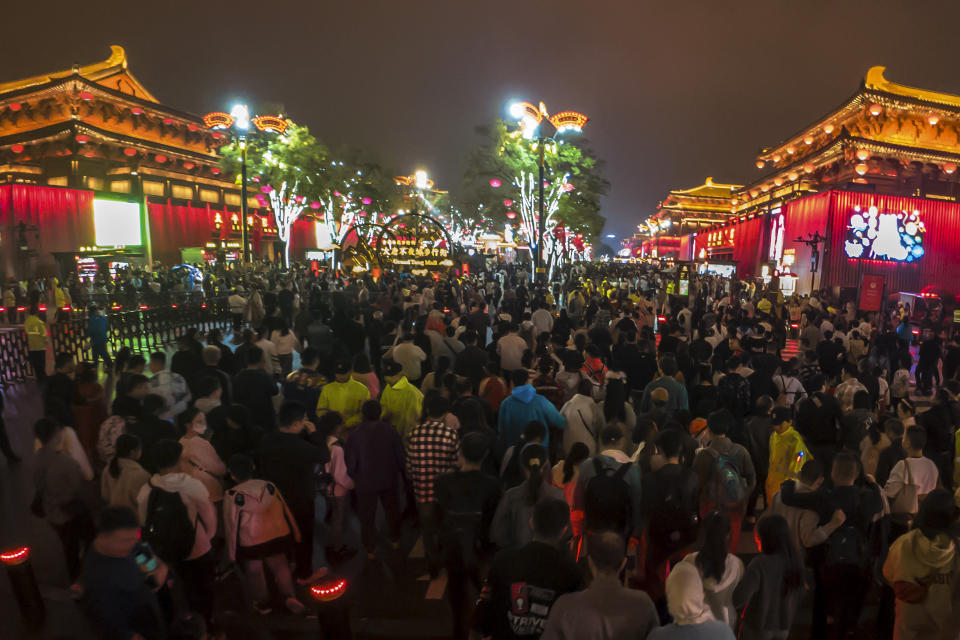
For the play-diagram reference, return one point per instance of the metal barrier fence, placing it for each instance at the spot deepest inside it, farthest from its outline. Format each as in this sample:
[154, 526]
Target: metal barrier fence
[142, 329]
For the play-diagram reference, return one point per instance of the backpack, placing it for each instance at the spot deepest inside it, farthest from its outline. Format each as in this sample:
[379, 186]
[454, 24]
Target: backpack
[726, 487]
[671, 524]
[167, 527]
[607, 502]
[734, 392]
[846, 546]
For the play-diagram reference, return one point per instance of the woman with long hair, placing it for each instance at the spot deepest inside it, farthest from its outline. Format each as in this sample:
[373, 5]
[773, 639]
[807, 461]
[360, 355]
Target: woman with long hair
[566, 474]
[511, 522]
[199, 458]
[435, 379]
[772, 585]
[720, 570]
[617, 411]
[124, 477]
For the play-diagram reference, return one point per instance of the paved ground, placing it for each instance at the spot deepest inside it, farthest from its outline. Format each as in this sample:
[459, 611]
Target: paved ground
[391, 597]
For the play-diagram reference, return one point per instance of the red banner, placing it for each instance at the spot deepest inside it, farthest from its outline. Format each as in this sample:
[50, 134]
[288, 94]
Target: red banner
[871, 293]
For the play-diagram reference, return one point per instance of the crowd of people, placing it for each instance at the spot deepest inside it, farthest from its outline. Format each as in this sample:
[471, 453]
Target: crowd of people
[582, 458]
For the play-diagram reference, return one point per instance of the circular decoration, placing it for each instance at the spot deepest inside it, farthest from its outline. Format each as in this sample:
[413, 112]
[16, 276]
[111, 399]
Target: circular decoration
[86, 96]
[366, 200]
[82, 139]
[881, 235]
[188, 165]
[760, 164]
[130, 151]
[160, 158]
[875, 109]
[861, 169]
[862, 154]
[508, 203]
[511, 214]
[778, 181]
[15, 106]
[137, 111]
[17, 148]
[215, 170]
[495, 183]
[791, 150]
[949, 167]
[933, 119]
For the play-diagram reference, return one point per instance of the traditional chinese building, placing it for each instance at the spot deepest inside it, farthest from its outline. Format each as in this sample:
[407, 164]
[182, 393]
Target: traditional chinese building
[94, 169]
[875, 176]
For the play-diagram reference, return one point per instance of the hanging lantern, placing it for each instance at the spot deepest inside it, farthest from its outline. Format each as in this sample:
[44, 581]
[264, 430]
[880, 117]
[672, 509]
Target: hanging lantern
[545, 184]
[760, 164]
[17, 148]
[778, 181]
[568, 187]
[362, 214]
[366, 200]
[160, 158]
[336, 194]
[299, 199]
[217, 135]
[215, 170]
[754, 193]
[734, 201]
[862, 154]
[765, 188]
[861, 169]
[86, 96]
[828, 128]
[15, 106]
[137, 111]
[168, 121]
[508, 203]
[808, 140]
[130, 151]
[188, 165]
[82, 139]
[495, 183]
[192, 127]
[314, 205]
[511, 214]
[933, 119]
[808, 167]
[266, 188]
[793, 175]
[875, 109]
[791, 150]
[949, 167]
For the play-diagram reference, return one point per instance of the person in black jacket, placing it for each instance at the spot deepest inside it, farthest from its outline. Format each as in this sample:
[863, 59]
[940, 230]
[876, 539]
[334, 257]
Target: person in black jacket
[254, 388]
[467, 499]
[818, 417]
[288, 458]
[892, 454]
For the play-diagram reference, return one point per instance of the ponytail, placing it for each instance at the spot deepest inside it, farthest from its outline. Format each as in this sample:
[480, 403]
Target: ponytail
[127, 443]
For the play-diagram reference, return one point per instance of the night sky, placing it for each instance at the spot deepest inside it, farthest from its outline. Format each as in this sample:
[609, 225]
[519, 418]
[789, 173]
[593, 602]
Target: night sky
[676, 91]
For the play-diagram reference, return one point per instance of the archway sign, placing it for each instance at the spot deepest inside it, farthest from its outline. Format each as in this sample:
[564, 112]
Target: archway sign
[415, 243]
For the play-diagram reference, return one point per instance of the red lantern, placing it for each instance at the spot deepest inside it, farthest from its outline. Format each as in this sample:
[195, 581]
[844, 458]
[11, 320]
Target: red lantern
[336, 194]
[508, 203]
[875, 109]
[314, 205]
[137, 111]
[862, 154]
[861, 169]
[366, 200]
[545, 184]
[760, 164]
[808, 140]
[298, 199]
[266, 188]
[86, 95]
[933, 119]
[168, 121]
[188, 165]
[215, 171]
[192, 127]
[82, 139]
[511, 214]
[495, 183]
[15, 106]
[217, 135]
[160, 158]
[130, 151]
[17, 148]
[949, 167]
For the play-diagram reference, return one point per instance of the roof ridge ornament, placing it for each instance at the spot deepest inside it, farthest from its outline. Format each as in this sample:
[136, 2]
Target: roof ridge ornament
[875, 81]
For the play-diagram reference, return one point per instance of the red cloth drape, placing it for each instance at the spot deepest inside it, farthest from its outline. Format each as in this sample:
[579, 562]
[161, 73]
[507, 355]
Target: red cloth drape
[748, 247]
[173, 227]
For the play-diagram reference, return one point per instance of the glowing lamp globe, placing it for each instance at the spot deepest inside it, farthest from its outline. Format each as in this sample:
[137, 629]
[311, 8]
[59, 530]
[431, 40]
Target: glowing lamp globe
[511, 214]
[130, 151]
[793, 176]
[776, 157]
[508, 203]
[808, 140]
[791, 150]
[17, 148]
[949, 167]
[82, 139]
[778, 181]
[299, 199]
[366, 200]
[933, 119]
[86, 95]
[754, 193]
[828, 128]
[314, 205]
[215, 171]
[734, 201]
[160, 158]
[495, 183]
[14, 106]
[188, 165]
[808, 167]
[875, 109]
[760, 164]
[765, 188]
[861, 169]
[137, 111]
[862, 154]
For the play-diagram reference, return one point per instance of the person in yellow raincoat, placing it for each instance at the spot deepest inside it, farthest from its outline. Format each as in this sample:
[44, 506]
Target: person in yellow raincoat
[36, 330]
[788, 453]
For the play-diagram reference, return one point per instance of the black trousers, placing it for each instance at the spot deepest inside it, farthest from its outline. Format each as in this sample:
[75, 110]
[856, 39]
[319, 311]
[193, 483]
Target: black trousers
[367, 502]
[76, 535]
[38, 360]
[197, 576]
[303, 550]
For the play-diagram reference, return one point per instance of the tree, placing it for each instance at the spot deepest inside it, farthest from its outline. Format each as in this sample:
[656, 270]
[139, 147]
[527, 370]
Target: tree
[502, 178]
[286, 168]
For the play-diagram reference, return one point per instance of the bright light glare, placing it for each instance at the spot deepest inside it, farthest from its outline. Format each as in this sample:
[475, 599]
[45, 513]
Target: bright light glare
[530, 126]
[610, 235]
[116, 224]
[420, 179]
[517, 110]
[241, 116]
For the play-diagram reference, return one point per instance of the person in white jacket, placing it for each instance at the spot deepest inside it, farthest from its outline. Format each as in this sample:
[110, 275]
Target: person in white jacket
[197, 570]
[720, 570]
[584, 419]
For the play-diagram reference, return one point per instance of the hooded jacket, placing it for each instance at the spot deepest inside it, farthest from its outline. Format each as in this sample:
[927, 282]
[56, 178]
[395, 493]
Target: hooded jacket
[255, 512]
[718, 595]
[522, 407]
[915, 558]
[195, 498]
[692, 619]
[584, 423]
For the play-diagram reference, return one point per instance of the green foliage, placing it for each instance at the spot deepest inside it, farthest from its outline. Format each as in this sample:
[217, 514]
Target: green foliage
[504, 154]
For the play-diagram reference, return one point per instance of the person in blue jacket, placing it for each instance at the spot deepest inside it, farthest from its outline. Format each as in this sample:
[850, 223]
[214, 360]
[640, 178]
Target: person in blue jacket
[523, 406]
[97, 329]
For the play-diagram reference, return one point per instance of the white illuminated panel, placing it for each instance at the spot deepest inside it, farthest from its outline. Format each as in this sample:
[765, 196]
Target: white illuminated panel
[116, 224]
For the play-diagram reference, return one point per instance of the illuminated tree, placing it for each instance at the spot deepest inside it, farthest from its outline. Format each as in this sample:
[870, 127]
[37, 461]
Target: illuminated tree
[502, 179]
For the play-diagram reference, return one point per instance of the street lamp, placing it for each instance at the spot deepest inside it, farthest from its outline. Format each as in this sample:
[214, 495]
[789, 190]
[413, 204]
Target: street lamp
[535, 122]
[238, 120]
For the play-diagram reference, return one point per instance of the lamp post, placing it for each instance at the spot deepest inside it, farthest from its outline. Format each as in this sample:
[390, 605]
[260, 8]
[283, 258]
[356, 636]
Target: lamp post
[238, 121]
[535, 122]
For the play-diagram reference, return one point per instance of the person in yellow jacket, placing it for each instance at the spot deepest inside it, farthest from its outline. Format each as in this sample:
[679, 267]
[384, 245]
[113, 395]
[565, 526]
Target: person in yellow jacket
[344, 395]
[401, 401]
[36, 330]
[788, 453]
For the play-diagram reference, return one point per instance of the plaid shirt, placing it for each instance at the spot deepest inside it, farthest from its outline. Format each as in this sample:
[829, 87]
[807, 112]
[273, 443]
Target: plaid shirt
[431, 452]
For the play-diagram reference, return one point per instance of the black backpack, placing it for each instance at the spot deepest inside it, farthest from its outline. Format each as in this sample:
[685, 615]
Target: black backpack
[671, 524]
[168, 528]
[607, 503]
[734, 392]
[846, 546]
